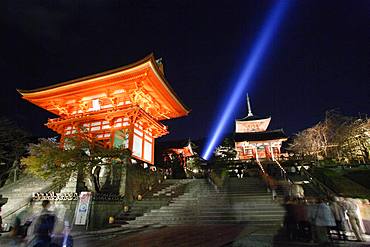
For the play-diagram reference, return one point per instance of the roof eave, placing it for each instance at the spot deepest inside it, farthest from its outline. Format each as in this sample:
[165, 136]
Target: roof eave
[170, 89]
[150, 57]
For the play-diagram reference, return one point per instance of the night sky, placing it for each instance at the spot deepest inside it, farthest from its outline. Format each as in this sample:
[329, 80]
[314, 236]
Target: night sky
[319, 59]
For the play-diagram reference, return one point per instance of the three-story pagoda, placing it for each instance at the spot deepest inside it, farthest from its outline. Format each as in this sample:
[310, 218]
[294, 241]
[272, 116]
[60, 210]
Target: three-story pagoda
[254, 141]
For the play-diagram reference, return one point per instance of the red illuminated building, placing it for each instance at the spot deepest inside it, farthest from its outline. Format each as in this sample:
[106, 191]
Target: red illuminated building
[254, 141]
[122, 107]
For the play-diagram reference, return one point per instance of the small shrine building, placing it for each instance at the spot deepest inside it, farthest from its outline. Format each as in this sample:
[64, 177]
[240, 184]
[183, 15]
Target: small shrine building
[183, 149]
[121, 108]
[254, 141]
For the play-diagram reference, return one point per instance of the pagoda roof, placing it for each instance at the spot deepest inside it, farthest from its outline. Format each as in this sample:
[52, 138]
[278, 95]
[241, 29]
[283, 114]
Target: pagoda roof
[252, 118]
[144, 74]
[260, 136]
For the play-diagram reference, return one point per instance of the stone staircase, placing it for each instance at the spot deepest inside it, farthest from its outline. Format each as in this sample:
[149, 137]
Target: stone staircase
[160, 196]
[19, 195]
[239, 201]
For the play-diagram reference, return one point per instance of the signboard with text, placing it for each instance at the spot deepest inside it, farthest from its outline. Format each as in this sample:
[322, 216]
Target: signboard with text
[82, 210]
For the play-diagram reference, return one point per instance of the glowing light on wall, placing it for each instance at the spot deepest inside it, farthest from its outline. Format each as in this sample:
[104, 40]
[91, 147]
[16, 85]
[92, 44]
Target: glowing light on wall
[246, 74]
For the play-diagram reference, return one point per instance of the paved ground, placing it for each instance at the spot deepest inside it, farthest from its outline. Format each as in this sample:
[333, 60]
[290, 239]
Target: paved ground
[193, 235]
[186, 235]
[208, 235]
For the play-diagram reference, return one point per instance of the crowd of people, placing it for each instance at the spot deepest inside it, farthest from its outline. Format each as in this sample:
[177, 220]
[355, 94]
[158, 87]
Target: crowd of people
[39, 230]
[322, 219]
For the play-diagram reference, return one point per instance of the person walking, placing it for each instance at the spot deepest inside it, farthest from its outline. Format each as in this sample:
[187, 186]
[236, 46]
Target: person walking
[351, 209]
[272, 186]
[297, 191]
[42, 227]
[365, 213]
[323, 219]
[340, 218]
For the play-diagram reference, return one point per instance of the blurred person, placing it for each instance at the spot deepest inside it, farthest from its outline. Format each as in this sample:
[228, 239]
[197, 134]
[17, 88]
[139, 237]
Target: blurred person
[365, 213]
[303, 225]
[323, 219]
[43, 226]
[340, 218]
[289, 219]
[352, 213]
[359, 205]
[311, 214]
[293, 170]
[272, 186]
[1, 222]
[65, 238]
[19, 231]
[297, 191]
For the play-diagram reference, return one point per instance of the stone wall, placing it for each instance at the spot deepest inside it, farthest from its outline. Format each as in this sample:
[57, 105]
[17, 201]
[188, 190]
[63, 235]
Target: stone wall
[101, 211]
[138, 181]
[64, 210]
[124, 180]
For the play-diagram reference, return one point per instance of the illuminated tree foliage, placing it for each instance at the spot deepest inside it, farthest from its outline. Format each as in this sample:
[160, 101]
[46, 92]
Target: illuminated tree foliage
[338, 139]
[194, 162]
[195, 166]
[226, 151]
[47, 159]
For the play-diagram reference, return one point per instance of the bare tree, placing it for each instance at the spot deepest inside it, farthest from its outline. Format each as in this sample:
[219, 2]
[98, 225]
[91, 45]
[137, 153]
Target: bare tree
[338, 138]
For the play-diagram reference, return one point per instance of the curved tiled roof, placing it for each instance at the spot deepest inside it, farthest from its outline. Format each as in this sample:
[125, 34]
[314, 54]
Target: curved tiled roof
[38, 95]
[260, 136]
[251, 118]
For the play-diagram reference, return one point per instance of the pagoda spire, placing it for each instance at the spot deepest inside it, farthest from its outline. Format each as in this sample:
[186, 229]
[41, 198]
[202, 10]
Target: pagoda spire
[249, 107]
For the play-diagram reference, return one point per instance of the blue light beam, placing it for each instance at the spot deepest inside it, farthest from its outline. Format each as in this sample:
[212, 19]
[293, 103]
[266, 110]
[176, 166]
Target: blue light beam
[249, 68]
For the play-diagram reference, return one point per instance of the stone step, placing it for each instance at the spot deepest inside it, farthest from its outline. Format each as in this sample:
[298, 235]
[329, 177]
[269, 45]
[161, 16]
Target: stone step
[210, 217]
[232, 193]
[205, 222]
[20, 193]
[225, 197]
[150, 202]
[216, 197]
[216, 214]
[220, 202]
[237, 202]
[156, 199]
[219, 210]
[230, 207]
[204, 192]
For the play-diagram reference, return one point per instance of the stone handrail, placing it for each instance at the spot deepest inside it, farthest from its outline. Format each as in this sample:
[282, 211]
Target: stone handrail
[25, 204]
[317, 183]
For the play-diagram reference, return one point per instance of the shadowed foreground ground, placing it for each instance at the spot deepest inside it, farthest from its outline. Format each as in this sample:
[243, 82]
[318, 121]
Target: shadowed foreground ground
[207, 235]
[195, 235]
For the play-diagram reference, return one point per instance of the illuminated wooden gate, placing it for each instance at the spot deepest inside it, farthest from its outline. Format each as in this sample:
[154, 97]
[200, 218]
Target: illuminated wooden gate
[122, 107]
